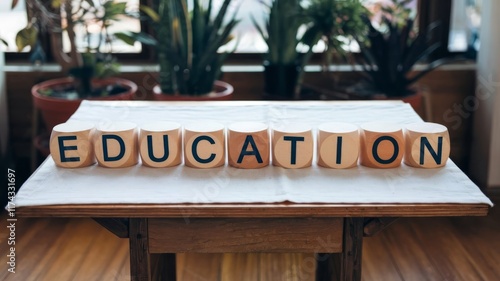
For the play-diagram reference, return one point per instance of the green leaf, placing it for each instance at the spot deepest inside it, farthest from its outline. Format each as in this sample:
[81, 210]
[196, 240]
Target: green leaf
[131, 37]
[125, 37]
[104, 70]
[259, 29]
[56, 4]
[113, 9]
[14, 4]
[4, 42]
[26, 37]
[150, 12]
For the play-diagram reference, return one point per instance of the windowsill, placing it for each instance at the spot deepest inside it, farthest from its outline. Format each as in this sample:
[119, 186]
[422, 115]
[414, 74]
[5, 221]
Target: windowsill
[129, 68]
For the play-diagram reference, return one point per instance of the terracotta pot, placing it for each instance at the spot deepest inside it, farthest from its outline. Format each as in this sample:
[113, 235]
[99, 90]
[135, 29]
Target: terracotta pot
[41, 143]
[415, 100]
[56, 110]
[222, 91]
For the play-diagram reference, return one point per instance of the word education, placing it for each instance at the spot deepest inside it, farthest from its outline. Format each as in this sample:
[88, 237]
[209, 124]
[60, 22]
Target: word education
[249, 145]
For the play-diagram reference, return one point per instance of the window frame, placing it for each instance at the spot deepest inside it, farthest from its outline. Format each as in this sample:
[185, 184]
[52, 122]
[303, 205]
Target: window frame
[146, 54]
[428, 11]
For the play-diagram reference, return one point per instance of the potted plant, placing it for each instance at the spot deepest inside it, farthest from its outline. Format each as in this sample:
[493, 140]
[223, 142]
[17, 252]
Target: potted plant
[335, 23]
[91, 67]
[282, 61]
[188, 41]
[389, 52]
[319, 20]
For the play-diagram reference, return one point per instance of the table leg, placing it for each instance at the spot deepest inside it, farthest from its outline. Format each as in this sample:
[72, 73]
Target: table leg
[143, 265]
[139, 254]
[345, 266]
[350, 267]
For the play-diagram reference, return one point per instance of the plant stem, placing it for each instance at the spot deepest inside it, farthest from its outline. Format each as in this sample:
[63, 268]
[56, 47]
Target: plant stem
[305, 59]
[76, 59]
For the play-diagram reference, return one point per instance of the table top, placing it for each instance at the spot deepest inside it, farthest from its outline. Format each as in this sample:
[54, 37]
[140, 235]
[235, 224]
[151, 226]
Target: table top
[229, 192]
[276, 210]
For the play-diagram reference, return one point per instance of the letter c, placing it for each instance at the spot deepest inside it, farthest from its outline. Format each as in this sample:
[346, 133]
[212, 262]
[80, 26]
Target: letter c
[194, 150]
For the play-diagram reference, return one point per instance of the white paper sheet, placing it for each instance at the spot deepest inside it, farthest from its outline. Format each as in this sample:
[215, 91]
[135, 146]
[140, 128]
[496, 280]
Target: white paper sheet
[138, 184]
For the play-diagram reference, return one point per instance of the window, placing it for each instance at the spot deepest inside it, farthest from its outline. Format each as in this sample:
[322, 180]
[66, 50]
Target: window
[89, 34]
[464, 26]
[11, 22]
[250, 40]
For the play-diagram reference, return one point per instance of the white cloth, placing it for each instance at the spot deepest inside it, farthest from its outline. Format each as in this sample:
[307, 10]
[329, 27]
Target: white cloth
[181, 184]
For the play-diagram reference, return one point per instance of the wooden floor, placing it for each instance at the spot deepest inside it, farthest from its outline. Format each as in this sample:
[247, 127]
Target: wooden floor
[411, 249]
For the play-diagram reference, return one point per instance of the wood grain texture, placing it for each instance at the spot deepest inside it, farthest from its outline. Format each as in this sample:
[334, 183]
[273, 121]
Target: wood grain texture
[338, 145]
[64, 250]
[160, 144]
[245, 235]
[71, 145]
[427, 145]
[286, 267]
[411, 249]
[292, 146]
[254, 210]
[248, 145]
[345, 266]
[140, 262]
[352, 246]
[382, 145]
[201, 267]
[436, 249]
[115, 145]
[402, 245]
[237, 266]
[204, 145]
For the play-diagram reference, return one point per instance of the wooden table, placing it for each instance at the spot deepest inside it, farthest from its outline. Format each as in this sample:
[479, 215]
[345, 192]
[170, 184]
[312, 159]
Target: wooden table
[333, 231]
[158, 231]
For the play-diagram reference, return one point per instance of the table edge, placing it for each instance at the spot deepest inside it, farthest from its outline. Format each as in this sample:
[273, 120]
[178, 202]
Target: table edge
[254, 210]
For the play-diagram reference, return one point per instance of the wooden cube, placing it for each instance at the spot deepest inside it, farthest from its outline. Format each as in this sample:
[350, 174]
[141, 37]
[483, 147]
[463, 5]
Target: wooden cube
[204, 145]
[248, 145]
[382, 145]
[292, 146]
[338, 145]
[71, 144]
[427, 145]
[115, 144]
[160, 144]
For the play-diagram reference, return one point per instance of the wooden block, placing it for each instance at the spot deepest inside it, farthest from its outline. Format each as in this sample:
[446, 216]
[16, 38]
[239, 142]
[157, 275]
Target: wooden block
[292, 146]
[71, 144]
[427, 145]
[204, 145]
[248, 145]
[160, 144]
[338, 145]
[115, 144]
[382, 145]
